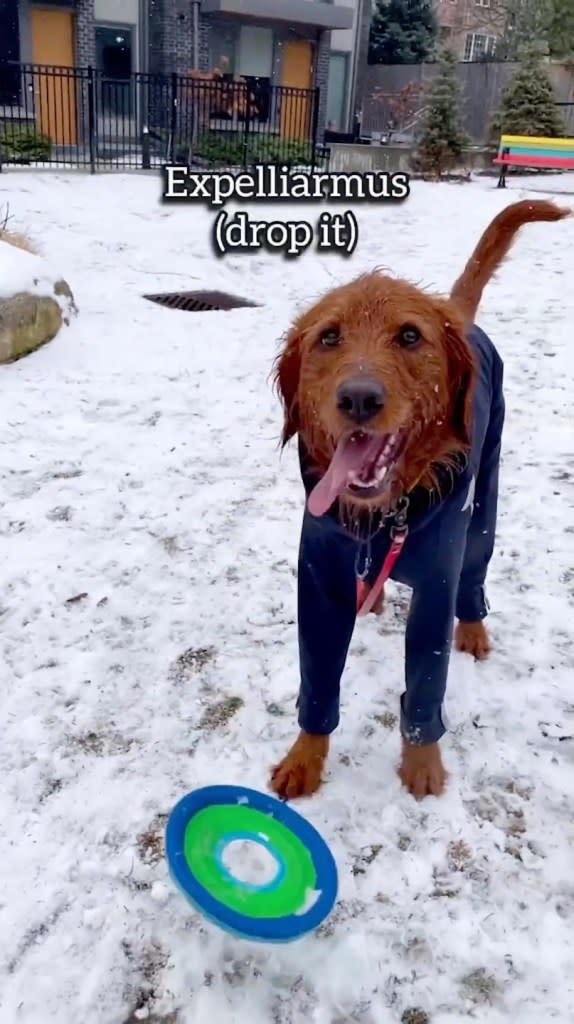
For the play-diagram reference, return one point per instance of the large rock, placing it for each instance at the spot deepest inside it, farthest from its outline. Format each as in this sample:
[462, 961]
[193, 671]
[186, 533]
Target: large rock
[38, 306]
[26, 322]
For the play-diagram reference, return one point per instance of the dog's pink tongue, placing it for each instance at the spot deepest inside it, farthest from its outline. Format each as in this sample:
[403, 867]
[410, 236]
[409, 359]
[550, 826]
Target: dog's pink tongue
[350, 456]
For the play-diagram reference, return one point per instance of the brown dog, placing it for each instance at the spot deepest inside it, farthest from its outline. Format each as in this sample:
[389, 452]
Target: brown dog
[396, 398]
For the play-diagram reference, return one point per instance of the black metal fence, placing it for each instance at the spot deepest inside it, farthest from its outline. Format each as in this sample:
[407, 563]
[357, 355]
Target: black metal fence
[80, 117]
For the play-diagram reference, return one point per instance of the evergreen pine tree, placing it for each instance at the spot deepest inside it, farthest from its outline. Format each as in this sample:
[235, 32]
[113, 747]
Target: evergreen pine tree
[525, 22]
[443, 139]
[561, 29]
[528, 105]
[402, 32]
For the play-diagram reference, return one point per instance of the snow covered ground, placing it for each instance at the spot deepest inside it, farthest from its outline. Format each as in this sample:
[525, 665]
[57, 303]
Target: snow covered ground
[148, 543]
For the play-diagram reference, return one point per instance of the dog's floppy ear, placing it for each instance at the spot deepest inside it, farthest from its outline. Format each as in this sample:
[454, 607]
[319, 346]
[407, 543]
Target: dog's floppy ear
[287, 370]
[461, 376]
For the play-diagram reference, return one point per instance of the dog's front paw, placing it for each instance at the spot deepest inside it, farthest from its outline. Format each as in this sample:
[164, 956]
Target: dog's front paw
[472, 638]
[300, 771]
[421, 770]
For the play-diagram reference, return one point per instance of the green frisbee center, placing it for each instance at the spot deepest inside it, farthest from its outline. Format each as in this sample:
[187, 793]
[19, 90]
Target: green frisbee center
[209, 838]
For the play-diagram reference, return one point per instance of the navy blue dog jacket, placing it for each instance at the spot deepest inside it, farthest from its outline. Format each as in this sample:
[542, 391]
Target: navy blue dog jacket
[444, 561]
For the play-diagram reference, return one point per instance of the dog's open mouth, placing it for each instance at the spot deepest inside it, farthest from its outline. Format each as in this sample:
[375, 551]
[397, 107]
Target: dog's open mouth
[362, 465]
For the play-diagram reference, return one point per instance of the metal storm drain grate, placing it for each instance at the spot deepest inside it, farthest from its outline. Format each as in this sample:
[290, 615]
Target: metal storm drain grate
[199, 302]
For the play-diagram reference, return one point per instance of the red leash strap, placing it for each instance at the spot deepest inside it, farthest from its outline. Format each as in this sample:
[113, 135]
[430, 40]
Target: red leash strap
[367, 596]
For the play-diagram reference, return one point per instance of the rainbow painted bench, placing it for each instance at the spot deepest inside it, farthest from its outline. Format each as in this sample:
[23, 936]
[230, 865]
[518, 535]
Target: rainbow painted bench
[531, 151]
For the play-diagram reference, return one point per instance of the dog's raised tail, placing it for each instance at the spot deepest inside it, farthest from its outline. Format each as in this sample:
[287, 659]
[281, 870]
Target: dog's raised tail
[494, 246]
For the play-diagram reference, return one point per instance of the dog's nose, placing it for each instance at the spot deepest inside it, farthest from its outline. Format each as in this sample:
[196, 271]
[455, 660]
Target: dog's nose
[360, 398]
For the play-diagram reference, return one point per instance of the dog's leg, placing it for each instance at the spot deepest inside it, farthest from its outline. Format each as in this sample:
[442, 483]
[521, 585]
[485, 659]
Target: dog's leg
[472, 638]
[471, 606]
[300, 772]
[421, 770]
[326, 611]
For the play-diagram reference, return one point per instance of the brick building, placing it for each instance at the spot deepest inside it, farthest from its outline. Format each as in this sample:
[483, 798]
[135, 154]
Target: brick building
[279, 42]
[471, 27]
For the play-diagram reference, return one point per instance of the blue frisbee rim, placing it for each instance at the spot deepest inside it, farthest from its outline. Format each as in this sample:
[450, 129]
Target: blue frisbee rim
[262, 929]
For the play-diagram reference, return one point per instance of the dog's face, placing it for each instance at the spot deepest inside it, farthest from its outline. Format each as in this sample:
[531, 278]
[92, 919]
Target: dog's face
[376, 377]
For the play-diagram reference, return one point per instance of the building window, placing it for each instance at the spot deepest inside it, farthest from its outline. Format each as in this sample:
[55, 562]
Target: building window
[337, 91]
[114, 55]
[479, 47]
[482, 3]
[9, 51]
[254, 63]
[255, 52]
[114, 51]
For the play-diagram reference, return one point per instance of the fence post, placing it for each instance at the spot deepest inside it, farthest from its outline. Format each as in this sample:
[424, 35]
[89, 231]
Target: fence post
[173, 119]
[246, 132]
[196, 112]
[143, 115]
[92, 118]
[314, 127]
[146, 153]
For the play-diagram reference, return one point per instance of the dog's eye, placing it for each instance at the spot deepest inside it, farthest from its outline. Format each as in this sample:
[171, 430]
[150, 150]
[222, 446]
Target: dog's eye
[330, 337]
[409, 336]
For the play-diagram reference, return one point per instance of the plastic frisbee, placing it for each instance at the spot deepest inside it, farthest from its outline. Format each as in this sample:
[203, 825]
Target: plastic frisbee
[207, 824]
